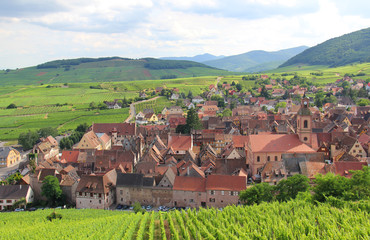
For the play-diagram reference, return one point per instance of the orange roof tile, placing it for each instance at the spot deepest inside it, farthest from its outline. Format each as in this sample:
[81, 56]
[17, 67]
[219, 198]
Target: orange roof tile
[287, 143]
[226, 182]
[70, 156]
[194, 184]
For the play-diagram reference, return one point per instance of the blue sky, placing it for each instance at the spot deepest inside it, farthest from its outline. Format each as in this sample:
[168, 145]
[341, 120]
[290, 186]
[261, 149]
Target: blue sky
[36, 31]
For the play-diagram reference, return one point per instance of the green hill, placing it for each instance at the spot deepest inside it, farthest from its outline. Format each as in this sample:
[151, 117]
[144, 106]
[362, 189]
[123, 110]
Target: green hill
[349, 48]
[106, 70]
[255, 61]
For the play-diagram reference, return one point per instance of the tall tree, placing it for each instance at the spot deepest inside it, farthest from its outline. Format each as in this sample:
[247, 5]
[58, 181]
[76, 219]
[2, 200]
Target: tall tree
[192, 120]
[289, 188]
[51, 189]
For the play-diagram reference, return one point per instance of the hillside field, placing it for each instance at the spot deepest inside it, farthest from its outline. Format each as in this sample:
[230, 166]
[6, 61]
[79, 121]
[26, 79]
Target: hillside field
[291, 220]
[103, 71]
[65, 107]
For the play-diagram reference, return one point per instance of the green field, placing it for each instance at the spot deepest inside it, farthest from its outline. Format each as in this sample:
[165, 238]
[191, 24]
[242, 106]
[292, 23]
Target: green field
[291, 220]
[65, 107]
[107, 71]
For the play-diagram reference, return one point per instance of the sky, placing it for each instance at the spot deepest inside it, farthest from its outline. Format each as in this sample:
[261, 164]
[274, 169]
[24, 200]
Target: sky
[37, 31]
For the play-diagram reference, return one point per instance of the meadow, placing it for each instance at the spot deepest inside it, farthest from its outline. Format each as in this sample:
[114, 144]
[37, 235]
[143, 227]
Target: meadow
[288, 220]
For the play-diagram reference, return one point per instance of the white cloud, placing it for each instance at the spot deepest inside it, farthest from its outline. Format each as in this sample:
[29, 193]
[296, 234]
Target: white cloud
[144, 28]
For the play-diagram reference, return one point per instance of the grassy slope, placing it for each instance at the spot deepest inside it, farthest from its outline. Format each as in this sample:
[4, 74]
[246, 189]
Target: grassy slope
[107, 71]
[36, 104]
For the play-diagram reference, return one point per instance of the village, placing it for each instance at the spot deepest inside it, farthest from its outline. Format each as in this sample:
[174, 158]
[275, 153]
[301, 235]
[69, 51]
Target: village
[239, 138]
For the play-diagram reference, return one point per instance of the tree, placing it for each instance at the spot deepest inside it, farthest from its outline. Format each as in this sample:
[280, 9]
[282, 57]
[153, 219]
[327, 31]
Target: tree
[264, 92]
[360, 182]
[28, 140]
[262, 192]
[232, 105]
[10, 106]
[192, 120]
[138, 208]
[227, 113]
[190, 95]
[239, 87]
[102, 106]
[330, 185]
[363, 102]
[51, 189]
[47, 131]
[92, 105]
[289, 188]
[82, 127]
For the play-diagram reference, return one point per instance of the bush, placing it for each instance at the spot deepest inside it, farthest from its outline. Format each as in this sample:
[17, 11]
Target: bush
[10, 106]
[138, 209]
[53, 216]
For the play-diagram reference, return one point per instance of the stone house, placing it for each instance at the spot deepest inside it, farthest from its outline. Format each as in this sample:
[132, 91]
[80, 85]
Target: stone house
[96, 191]
[189, 192]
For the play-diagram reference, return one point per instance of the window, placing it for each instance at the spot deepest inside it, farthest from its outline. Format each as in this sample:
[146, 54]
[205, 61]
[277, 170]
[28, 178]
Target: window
[222, 193]
[258, 159]
[121, 192]
[305, 139]
[212, 200]
[91, 194]
[8, 201]
[212, 192]
[231, 193]
[276, 158]
[100, 195]
[191, 200]
[80, 193]
[1, 201]
[99, 201]
[268, 158]
[305, 124]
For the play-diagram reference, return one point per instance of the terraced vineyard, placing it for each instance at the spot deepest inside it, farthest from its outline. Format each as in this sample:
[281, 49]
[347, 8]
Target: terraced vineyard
[292, 220]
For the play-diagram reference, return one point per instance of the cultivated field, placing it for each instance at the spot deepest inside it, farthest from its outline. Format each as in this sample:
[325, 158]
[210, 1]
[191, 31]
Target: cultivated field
[291, 220]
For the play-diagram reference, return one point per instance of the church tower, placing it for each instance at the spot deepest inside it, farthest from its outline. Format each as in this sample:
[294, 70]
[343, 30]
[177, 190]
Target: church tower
[304, 122]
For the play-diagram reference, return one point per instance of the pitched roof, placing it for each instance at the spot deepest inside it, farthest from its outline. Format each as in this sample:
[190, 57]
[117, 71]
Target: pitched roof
[194, 184]
[133, 180]
[310, 169]
[287, 143]
[226, 182]
[70, 156]
[4, 151]
[180, 143]
[13, 191]
[52, 140]
[343, 168]
[240, 141]
[122, 128]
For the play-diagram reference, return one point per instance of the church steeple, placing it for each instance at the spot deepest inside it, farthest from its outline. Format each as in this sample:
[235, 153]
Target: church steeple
[304, 122]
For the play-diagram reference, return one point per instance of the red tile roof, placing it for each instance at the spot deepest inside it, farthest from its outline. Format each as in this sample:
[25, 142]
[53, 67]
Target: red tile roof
[122, 128]
[239, 141]
[287, 143]
[343, 168]
[70, 156]
[226, 182]
[194, 184]
[179, 143]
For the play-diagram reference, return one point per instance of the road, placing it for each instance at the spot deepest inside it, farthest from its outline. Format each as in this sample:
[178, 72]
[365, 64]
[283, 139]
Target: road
[132, 108]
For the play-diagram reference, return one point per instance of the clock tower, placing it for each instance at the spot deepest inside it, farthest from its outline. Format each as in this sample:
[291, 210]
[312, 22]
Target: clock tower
[304, 122]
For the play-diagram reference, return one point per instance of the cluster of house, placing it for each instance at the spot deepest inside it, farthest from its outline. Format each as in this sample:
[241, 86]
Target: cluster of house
[123, 163]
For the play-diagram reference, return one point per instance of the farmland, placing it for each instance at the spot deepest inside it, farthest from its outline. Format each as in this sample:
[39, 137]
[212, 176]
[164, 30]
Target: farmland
[65, 106]
[290, 220]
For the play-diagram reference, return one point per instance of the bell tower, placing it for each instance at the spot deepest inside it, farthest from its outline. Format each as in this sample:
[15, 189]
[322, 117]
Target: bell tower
[304, 122]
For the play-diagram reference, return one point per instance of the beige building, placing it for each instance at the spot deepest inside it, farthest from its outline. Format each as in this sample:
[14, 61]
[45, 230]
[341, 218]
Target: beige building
[8, 156]
[94, 141]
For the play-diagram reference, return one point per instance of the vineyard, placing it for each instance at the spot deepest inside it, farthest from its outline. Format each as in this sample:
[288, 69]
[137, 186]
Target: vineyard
[291, 220]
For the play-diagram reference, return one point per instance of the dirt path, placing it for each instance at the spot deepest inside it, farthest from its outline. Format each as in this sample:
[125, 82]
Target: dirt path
[132, 108]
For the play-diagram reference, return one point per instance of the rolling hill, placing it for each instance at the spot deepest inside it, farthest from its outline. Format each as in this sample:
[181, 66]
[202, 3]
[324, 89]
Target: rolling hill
[255, 61]
[106, 70]
[198, 58]
[349, 48]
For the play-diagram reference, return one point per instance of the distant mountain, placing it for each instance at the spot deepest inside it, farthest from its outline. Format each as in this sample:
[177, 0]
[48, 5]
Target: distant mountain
[198, 58]
[255, 61]
[339, 51]
[107, 69]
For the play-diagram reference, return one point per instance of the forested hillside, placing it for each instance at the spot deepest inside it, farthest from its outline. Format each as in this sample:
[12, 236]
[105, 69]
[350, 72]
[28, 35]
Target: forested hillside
[339, 51]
